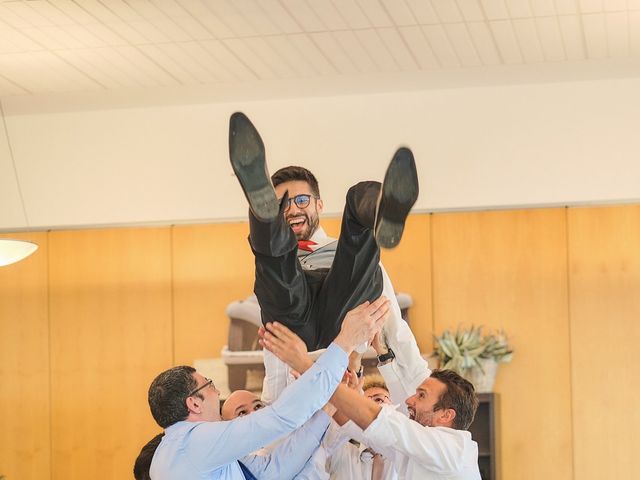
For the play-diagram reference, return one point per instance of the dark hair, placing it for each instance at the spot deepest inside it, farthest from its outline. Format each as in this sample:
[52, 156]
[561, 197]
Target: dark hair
[143, 462]
[459, 396]
[168, 392]
[292, 173]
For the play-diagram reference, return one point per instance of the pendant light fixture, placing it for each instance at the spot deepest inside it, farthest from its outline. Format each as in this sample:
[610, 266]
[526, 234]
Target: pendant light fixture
[12, 251]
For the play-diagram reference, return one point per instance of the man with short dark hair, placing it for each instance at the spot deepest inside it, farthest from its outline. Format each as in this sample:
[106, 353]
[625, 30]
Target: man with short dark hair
[143, 462]
[197, 444]
[307, 280]
[432, 444]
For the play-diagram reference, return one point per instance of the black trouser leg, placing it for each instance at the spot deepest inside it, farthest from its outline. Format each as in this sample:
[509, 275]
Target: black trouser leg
[314, 303]
[284, 293]
[355, 275]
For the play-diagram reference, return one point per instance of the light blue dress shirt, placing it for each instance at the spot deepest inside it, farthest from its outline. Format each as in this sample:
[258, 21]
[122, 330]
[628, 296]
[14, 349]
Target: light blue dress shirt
[211, 450]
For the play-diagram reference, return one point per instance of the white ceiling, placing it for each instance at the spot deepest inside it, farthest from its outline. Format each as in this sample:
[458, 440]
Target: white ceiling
[70, 156]
[55, 46]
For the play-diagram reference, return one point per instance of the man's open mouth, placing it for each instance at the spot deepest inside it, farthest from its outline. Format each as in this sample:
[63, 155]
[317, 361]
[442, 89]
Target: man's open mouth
[297, 224]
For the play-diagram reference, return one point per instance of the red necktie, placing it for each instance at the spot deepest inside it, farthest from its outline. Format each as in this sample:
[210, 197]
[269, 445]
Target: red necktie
[306, 245]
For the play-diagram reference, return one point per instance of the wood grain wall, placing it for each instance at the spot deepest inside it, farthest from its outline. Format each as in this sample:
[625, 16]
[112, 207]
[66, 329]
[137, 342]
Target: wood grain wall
[94, 315]
[25, 382]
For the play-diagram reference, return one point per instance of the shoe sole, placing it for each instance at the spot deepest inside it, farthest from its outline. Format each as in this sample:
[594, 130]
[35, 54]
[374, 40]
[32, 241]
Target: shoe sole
[247, 155]
[398, 194]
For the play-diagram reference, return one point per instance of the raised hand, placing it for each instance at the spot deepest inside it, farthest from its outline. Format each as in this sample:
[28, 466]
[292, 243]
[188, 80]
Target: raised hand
[285, 345]
[361, 323]
[378, 344]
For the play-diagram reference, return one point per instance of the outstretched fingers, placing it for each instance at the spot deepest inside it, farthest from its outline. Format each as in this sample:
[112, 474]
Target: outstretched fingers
[274, 338]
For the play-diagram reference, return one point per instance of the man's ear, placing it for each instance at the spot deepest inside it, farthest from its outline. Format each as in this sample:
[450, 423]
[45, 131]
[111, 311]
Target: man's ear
[194, 405]
[448, 416]
[319, 205]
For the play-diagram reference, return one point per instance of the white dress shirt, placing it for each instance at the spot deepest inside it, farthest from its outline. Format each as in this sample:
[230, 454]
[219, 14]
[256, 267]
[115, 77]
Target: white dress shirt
[425, 453]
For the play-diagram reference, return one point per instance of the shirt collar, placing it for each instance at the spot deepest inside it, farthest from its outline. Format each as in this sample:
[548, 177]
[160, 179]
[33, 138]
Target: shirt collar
[320, 237]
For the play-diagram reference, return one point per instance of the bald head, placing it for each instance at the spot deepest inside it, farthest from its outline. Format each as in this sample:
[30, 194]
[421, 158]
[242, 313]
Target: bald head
[240, 403]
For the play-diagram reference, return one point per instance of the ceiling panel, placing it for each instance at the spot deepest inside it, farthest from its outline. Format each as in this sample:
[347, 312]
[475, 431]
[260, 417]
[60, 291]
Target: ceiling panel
[442, 48]
[423, 11]
[257, 17]
[634, 33]
[484, 43]
[386, 14]
[519, 8]
[550, 39]
[328, 14]
[420, 47]
[527, 35]
[462, 43]
[377, 50]
[572, 37]
[617, 26]
[353, 14]
[447, 11]
[285, 48]
[398, 49]
[304, 15]
[84, 45]
[355, 51]
[506, 41]
[471, 10]
[495, 9]
[310, 51]
[334, 52]
[280, 17]
[543, 8]
[241, 49]
[595, 35]
[567, 7]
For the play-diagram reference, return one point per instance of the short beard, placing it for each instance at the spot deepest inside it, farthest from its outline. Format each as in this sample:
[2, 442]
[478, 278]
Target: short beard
[312, 226]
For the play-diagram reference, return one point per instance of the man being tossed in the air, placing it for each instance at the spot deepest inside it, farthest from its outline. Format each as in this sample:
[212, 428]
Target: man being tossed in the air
[307, 280]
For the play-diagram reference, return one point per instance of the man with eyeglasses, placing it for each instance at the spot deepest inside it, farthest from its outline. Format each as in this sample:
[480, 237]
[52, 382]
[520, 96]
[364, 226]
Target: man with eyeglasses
[197, 444]
[307, 280]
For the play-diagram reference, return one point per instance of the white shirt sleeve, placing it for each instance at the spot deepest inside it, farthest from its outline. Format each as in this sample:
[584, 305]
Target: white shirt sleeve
[441, 450]
[411, 369]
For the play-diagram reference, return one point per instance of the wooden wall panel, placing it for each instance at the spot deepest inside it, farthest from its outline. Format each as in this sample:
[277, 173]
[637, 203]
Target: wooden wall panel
[409, 267]
[25, 402]
[111, 331]
[605, 329]
[508, 270]
[213, 266]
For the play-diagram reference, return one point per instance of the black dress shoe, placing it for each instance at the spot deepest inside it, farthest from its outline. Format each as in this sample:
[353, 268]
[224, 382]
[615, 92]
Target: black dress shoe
[246, 152]
[398, 194]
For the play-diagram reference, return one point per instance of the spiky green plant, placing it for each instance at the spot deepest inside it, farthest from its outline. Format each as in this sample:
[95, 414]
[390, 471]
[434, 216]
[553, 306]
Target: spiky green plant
[463, 350]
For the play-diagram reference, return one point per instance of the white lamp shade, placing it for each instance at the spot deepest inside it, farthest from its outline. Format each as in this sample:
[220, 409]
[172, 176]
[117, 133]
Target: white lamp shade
[12, 251]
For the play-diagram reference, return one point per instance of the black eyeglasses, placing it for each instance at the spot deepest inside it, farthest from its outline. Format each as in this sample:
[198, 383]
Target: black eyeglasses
[301, 201]
[204, 385]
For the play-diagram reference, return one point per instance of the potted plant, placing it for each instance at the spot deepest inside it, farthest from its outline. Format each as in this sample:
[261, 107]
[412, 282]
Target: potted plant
[473, 355]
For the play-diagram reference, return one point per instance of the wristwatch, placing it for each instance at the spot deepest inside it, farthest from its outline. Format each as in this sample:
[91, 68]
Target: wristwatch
[386, 357]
